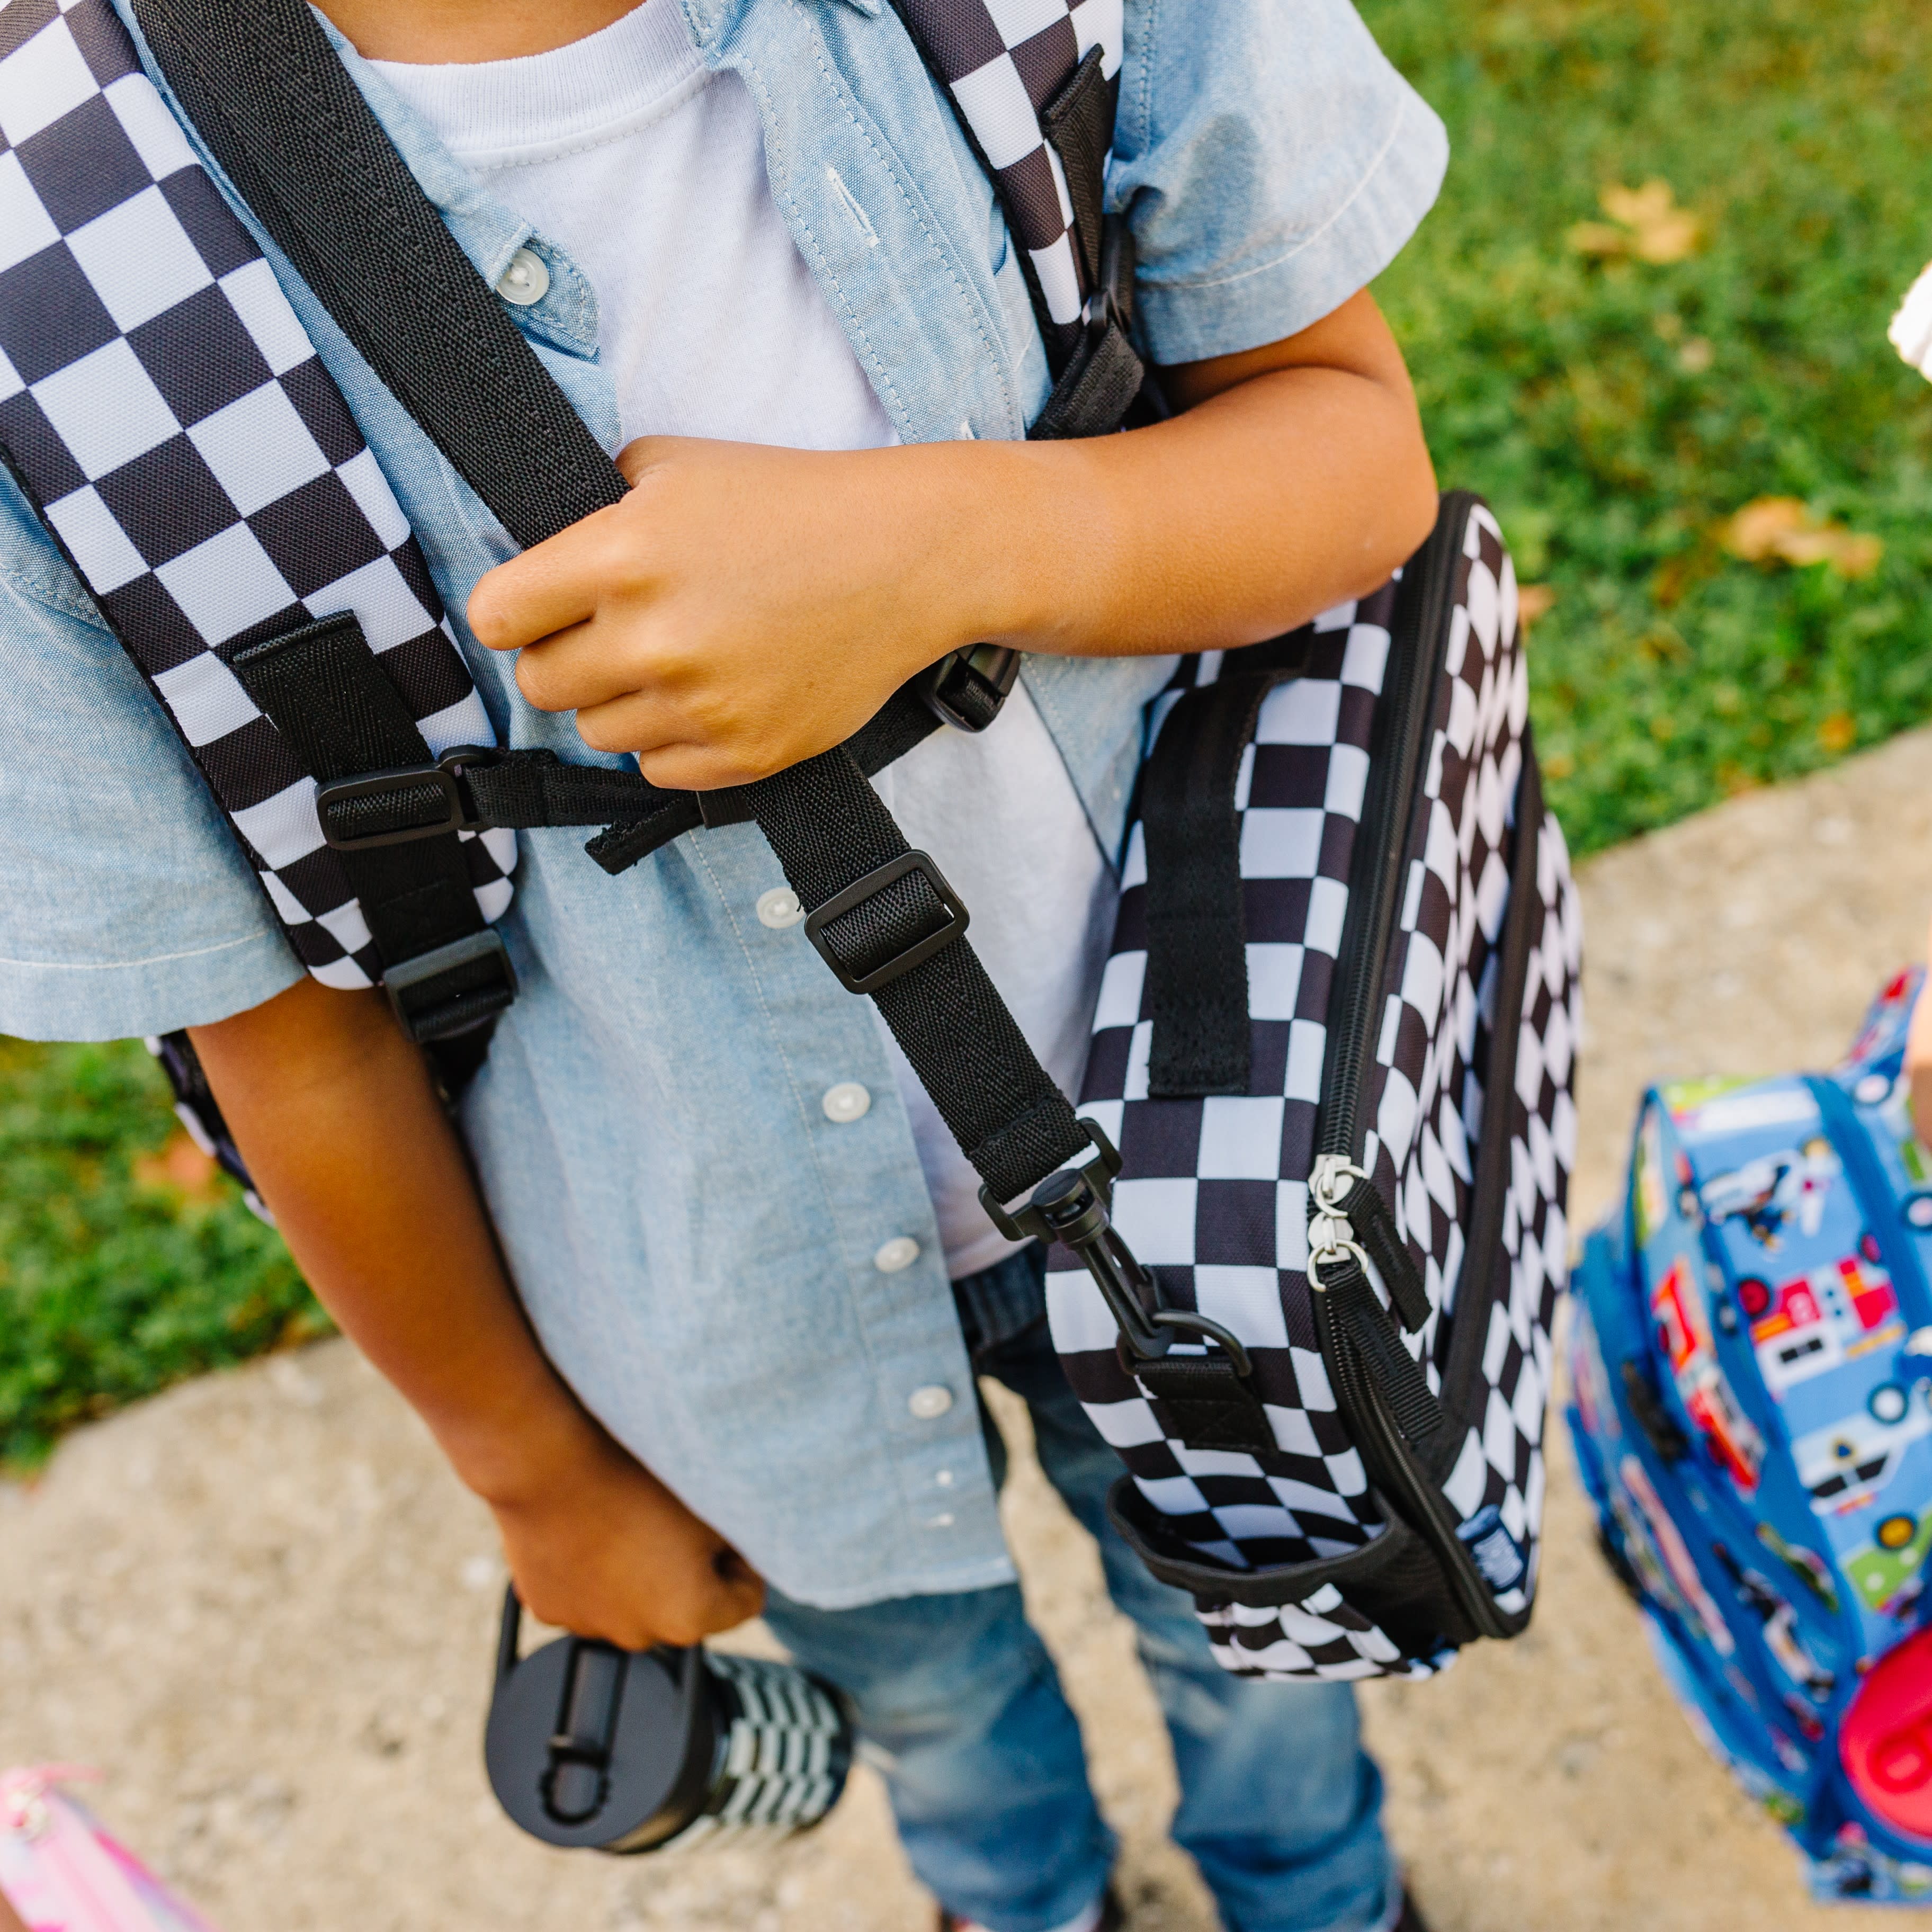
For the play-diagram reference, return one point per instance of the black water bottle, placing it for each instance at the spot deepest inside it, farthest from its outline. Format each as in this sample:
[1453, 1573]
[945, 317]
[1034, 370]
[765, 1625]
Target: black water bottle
[645, 1750]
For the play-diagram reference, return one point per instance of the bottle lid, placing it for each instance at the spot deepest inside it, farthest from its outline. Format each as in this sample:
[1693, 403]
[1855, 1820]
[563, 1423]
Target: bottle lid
[588, 1745]
[1885, 1738]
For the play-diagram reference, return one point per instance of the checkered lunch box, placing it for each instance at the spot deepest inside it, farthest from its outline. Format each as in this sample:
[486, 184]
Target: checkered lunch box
[1299, 1037]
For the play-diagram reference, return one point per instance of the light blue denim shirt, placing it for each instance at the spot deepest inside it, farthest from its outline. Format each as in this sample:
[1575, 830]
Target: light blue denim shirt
[695, 1238]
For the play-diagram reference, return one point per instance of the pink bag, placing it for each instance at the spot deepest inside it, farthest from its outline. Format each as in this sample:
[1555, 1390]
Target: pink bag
[61, 1873]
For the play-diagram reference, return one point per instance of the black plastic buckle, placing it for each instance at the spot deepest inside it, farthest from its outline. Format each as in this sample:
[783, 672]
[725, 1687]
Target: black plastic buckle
[444, 776]
[1074, 1206]
[430, 1017]
[870, 886]
[966, 689]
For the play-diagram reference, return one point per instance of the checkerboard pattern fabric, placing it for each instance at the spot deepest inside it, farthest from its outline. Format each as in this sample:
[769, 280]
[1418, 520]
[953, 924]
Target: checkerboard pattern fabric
[163, 407]
[1427, 1094]
[1003, 61]
[785, 1756]
[1213, 1195]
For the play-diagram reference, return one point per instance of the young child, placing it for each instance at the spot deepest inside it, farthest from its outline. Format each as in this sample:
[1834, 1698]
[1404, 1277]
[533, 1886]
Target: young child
[710, 1345]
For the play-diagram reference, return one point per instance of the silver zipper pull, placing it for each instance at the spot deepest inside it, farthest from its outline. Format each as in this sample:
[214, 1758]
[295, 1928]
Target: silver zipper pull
[1334, 1179]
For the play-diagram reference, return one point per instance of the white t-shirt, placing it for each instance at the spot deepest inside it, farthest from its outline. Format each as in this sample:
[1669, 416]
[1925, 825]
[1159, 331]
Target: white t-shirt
[648, 171]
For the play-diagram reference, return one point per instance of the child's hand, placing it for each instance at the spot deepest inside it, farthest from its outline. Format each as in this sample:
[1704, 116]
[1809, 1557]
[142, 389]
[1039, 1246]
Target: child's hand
[1918, 1058]
[744, 608]
[605, 1550]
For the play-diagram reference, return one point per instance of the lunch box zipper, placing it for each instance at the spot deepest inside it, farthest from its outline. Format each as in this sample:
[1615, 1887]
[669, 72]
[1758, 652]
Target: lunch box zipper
[1383, 1392]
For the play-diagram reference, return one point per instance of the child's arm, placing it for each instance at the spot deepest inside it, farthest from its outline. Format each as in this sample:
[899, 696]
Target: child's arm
[348, 1143]
[1918, 1048]
[746, 607]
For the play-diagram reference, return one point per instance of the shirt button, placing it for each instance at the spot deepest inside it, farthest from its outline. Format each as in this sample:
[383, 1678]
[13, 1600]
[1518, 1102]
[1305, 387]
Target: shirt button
[930, 1403]
[900, 1252]
[526, 281]
[848, 1101]
[779, 908]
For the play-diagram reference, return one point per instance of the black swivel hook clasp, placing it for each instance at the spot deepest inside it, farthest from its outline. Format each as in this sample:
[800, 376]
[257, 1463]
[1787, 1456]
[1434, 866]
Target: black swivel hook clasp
[1074, 1207]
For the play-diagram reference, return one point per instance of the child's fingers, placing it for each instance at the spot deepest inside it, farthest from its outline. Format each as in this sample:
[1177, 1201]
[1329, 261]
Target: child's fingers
[559, 583]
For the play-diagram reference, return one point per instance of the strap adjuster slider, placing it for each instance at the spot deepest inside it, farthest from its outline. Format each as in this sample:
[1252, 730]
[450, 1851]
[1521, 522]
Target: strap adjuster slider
[921, 947]
[427, 800]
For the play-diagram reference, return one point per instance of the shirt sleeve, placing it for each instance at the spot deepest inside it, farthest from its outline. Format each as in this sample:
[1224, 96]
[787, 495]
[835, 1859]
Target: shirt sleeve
[1273, 162]
[127, 906]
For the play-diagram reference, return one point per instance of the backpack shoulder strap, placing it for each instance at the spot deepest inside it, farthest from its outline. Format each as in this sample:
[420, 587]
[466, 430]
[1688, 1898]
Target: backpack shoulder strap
[266, 91]
[1035, 91]
[165, 413]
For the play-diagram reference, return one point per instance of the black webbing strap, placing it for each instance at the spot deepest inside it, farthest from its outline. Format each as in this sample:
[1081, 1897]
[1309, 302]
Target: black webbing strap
[263, 85]
[444, 969]
[1197, 971]
[836, 839]
[1197, 959]
[267, 93]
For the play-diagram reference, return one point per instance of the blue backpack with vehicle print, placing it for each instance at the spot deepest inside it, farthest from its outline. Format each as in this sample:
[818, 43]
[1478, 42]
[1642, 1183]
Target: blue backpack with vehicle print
[1750, 1356]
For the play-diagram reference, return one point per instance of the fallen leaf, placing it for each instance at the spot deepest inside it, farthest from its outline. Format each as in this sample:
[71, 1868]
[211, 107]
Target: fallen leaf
[1533, 600]
[1756, 530]
[1781, 529]
[1648, 224]
[1637, 207]
[179, 1168]
[1850, 552]
[1674, 238]
[1838, 733]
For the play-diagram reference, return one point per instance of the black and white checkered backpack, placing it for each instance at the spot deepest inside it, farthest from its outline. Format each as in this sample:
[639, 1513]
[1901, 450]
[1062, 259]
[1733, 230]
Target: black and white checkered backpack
[1347, 922]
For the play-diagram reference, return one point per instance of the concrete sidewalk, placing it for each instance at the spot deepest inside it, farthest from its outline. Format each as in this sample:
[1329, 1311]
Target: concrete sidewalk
[262, 1606]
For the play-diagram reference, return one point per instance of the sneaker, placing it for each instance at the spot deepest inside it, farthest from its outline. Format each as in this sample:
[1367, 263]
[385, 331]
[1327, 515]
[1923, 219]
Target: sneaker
[1109, 1916]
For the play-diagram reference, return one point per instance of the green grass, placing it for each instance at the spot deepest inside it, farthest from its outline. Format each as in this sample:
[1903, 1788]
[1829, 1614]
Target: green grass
[1669, 674]
[111, 1286]
[1666, 674]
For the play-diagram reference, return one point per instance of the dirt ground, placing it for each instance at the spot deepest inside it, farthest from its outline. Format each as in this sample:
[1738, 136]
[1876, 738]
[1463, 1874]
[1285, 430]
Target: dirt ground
[262, 1607]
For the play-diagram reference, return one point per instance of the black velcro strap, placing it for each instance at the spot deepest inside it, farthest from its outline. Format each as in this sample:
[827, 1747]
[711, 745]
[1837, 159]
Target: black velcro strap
[326, 693]
[1205, 1402]
[1197, 957]
[1491, 1200]
[830, 830]
[1079, 122]
[294, 134]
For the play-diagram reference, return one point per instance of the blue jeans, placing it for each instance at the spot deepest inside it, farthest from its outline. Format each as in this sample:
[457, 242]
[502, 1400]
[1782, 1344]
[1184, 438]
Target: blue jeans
[1279, 1805]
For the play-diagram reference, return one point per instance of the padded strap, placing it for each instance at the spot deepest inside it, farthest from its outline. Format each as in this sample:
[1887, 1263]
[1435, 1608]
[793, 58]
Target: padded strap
[982, 58]
[270, 97]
